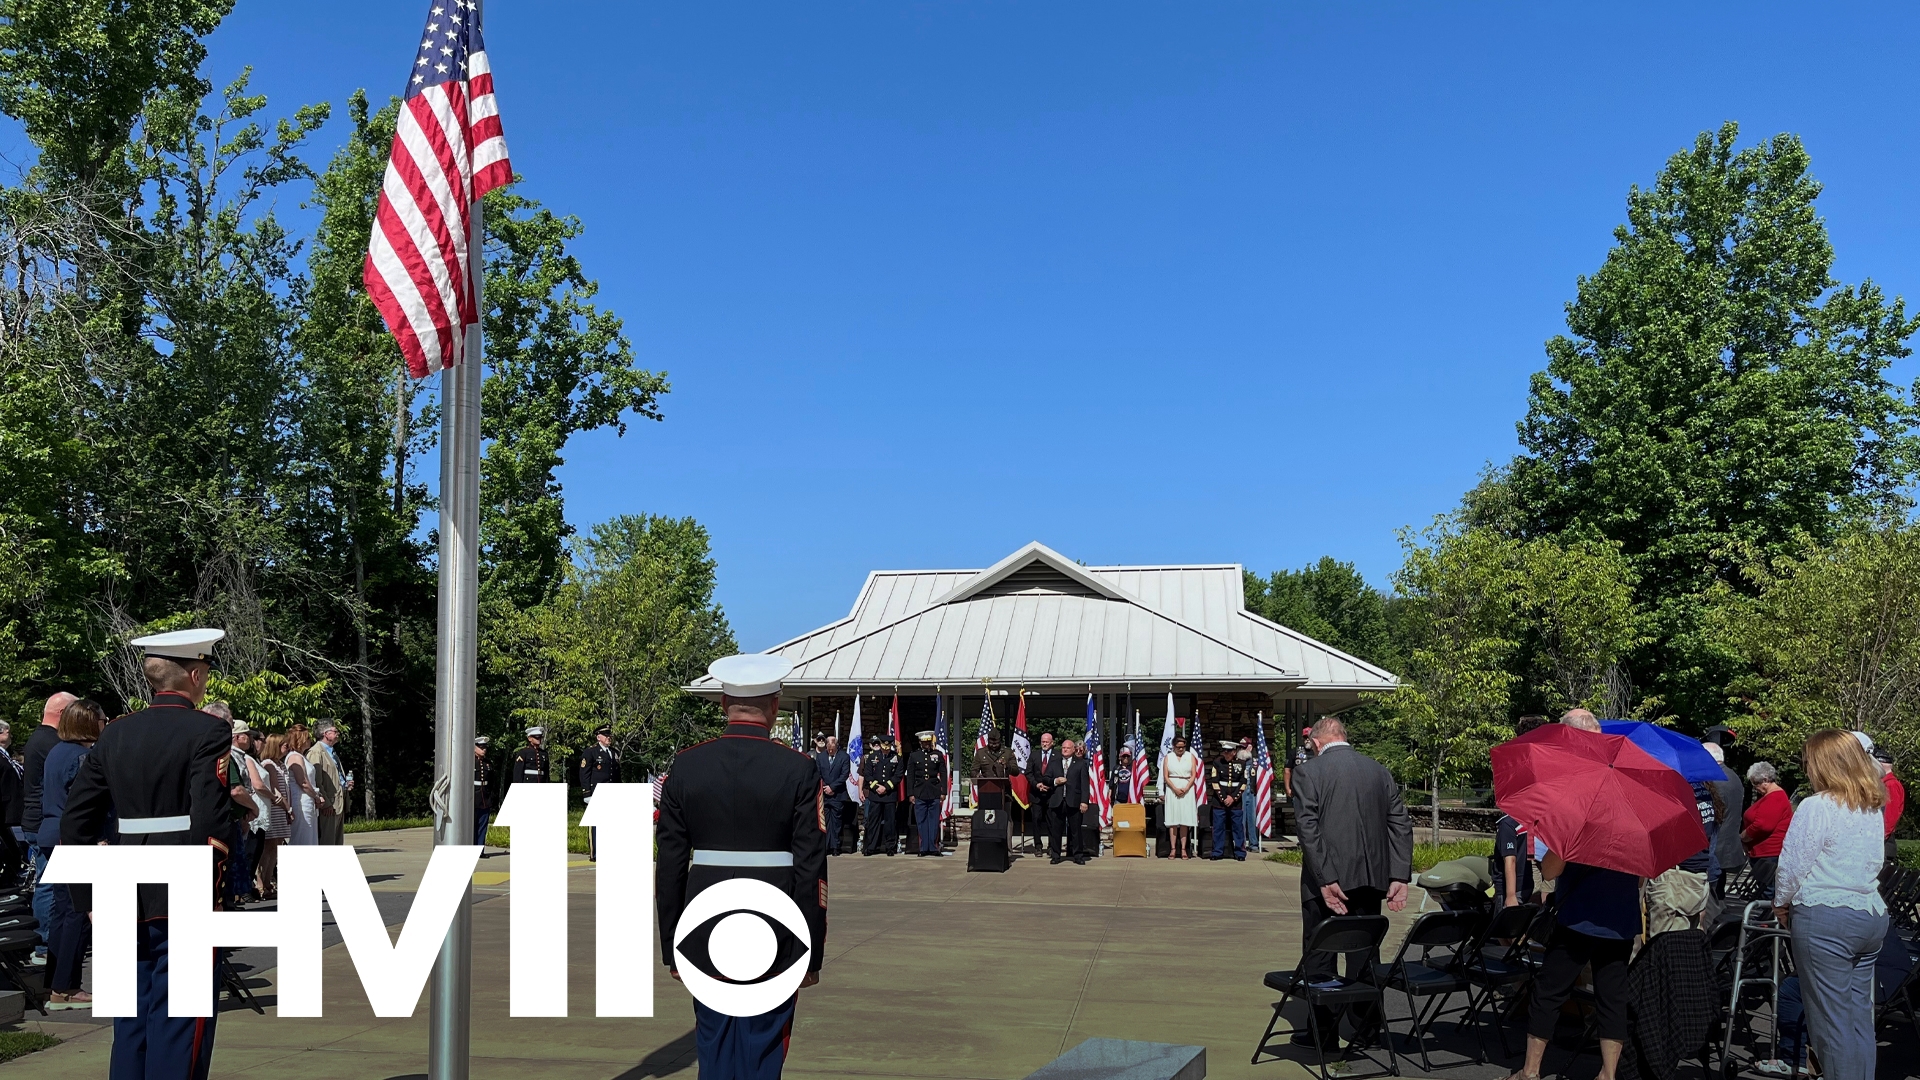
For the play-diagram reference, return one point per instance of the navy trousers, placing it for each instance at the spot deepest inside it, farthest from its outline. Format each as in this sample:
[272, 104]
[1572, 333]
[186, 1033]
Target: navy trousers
[832, 807]
[926, 819]
[153, 1045]
[1230, 818]
[480, 828]
[742, 1047]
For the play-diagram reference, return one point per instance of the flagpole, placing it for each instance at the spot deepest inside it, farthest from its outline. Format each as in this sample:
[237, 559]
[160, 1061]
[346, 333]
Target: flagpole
[450, 1021]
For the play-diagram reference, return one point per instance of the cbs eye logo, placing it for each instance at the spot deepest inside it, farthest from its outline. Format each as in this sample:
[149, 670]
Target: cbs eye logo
[741, 947]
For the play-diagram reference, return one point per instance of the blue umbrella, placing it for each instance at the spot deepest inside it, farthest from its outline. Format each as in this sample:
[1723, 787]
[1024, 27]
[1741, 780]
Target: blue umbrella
[1670, 748]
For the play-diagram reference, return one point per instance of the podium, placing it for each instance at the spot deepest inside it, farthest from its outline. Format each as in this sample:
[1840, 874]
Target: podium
[1130, 829]
[987, 850]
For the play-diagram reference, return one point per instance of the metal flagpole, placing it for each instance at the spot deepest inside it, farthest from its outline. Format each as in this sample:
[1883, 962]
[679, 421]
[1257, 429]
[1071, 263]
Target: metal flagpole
[450, 1019]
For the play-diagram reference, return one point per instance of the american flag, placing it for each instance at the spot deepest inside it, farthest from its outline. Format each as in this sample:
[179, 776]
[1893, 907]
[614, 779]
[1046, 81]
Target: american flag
[447, 152]
[940, 741]
[1262, 781]
[986, 725]
[1141, 774]
[1097, 768]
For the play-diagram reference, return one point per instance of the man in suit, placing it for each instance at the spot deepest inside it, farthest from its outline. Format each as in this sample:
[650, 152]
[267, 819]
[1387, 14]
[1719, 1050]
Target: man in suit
[1077, 795]
[331, 781]
[1358, 852]
[835, 769]
[1046, 780]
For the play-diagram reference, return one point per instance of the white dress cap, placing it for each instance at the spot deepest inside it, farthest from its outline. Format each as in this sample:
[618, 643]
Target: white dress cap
[180, 644]
[750, 675]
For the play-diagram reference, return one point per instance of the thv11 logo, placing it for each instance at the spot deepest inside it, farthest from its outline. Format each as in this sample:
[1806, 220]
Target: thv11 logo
[393, 973]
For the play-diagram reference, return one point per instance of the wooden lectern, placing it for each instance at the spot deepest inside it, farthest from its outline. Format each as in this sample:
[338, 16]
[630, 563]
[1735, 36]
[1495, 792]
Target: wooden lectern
[1130, 829]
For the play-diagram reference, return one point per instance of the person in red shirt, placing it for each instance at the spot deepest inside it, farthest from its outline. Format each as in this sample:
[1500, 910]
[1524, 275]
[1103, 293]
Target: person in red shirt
[1896, 804]
[1764, 825]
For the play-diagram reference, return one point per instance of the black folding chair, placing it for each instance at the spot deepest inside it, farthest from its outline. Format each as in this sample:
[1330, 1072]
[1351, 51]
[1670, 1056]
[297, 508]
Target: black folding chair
[19, 936]
[1426, 977]
[1338, 935]
[1901, 997]
[1497, 961]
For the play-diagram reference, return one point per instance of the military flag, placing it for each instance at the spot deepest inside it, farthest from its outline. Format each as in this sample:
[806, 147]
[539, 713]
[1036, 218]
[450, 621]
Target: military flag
[1022, 750]
[1167, 733]
[856, 746]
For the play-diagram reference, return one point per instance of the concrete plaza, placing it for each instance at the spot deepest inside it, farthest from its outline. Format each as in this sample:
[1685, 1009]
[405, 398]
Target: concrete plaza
[931, 972]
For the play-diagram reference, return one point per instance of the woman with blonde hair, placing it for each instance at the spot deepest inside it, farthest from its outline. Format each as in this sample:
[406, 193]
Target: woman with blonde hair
[304, 801]
[1828, 894]
[279, 824]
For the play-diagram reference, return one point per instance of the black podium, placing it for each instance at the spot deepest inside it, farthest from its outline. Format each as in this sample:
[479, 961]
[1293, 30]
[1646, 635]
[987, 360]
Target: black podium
[987, 851]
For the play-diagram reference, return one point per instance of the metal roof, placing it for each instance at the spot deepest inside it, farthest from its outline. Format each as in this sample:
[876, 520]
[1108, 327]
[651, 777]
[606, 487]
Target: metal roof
[1037, 618]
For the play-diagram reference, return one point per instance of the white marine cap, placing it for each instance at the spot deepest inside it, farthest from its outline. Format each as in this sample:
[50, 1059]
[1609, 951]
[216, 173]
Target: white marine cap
[180, 644]
[537, 732]
[750, 675]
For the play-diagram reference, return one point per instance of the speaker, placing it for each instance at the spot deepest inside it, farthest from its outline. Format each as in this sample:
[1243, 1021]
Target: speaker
[987, 856]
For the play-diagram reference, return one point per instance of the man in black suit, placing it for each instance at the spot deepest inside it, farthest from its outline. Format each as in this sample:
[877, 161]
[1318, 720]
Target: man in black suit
[1077, 795]
[1357, 845]
[835, 769]
[1046, 779]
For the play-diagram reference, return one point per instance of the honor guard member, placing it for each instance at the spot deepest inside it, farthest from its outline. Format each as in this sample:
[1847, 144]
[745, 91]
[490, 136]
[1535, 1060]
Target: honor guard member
[740, 806]
[530, 761]
[163, 773]
[882, 779]
[927, 781]
[598, 765]
[1227, 791]
[483, 796]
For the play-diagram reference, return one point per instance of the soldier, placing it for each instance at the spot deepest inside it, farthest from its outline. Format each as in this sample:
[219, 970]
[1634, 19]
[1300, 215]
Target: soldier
[1227, 791]
[598, 765]
[482, 791]
[742, 806]
[927, 781]
[881, 777]
[163, 772]
[992, 761]
[530, 761]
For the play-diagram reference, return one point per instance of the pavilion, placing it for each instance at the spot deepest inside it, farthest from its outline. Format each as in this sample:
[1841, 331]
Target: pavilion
[1038, 623]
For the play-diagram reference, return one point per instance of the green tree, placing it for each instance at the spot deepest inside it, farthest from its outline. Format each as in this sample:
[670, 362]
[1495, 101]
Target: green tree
[1577, 620]
[1832, 640]
[1719, 392]
[1330, 602]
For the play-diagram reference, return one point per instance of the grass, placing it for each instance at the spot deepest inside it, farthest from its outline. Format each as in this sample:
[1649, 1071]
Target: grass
[15, 1044]
[1910, 853]
[496, 836]
[1424, 855]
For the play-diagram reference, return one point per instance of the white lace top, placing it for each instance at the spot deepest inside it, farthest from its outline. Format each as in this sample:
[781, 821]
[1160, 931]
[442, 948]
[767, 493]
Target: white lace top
[1831, 858]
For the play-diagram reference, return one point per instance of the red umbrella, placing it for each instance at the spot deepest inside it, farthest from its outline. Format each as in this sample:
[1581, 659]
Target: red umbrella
[1598, 799]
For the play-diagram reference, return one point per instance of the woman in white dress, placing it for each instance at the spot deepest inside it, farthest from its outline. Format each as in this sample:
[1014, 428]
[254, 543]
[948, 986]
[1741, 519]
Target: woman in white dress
[1180, 796]
[303, 801]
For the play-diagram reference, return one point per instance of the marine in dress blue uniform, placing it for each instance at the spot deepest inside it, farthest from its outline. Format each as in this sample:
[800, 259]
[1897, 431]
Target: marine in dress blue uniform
[927, 781]
[162, 773]
[598, 764]
[738, 806]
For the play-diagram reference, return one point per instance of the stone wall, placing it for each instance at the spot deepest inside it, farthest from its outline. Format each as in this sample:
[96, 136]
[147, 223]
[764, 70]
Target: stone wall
[1232, 716]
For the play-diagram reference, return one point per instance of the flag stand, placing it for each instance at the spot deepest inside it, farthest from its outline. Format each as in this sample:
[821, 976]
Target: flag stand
[450, 1022]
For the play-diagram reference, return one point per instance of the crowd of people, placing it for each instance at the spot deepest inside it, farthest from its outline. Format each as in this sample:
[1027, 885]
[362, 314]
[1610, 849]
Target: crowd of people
[1822, 863]
[287, 787]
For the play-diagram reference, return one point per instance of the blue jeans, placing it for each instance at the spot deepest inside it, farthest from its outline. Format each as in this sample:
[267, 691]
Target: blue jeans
[42, 894]
[1793, 1023]
[1834, 949]
[1230, 819]
[67, 942]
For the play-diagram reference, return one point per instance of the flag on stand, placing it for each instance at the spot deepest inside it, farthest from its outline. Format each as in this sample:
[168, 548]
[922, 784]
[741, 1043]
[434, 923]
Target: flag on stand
[1097, 768]
[1166, 745]
[447, 151]
[986, 725]
[940, 741]
[1262, 781]
[1022, 750]
[856, 747]
[893, 727]
[1141, 774]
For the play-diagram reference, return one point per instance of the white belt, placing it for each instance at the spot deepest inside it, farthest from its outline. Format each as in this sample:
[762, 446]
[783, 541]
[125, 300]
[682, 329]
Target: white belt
[742, 858]
[176, 823]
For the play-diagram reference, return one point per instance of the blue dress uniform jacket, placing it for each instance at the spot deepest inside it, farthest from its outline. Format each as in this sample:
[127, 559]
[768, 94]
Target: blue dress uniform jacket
[742, 792]
[162, 773]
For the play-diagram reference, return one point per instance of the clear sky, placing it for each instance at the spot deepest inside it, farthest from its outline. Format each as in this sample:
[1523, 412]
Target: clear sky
[1248, 282]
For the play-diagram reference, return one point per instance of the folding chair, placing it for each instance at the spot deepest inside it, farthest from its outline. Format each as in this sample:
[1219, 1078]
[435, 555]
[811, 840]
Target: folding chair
[1491, 967]
[19, 936]
[1425, 978]
[1902, 995]
[1338, 935]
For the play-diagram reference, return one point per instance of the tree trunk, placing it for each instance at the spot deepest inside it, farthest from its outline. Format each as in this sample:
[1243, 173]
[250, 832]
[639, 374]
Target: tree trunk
[1436, 807]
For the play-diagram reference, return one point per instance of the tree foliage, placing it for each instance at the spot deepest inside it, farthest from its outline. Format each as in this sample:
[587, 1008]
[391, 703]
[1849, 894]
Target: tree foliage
[1719, 393]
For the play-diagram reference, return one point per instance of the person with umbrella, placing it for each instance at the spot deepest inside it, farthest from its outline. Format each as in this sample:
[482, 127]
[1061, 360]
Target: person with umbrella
[1610, 814]
[1677, 897]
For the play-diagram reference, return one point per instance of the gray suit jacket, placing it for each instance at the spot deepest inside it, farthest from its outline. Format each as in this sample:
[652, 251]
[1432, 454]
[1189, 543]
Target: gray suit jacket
[1726, 846]
[1353, 823]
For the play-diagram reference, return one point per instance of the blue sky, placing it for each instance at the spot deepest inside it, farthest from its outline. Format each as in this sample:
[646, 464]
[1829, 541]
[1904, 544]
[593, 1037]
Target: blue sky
[1146, 282]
